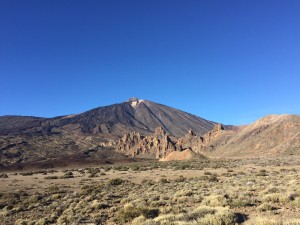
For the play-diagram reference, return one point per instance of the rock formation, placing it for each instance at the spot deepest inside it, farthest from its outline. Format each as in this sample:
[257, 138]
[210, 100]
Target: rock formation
[158, 145]
[270, 136]
[181, 155]
[216, 131]
[161, 144]
[190, 141]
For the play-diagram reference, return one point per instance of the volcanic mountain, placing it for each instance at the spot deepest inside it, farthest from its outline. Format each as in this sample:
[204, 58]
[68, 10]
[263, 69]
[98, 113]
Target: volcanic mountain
[25, 139]
[138, 115]
[134, 115]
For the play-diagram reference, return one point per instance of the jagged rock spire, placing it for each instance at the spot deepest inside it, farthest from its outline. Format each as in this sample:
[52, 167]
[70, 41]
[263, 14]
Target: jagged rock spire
[191, 132]
[159, 131]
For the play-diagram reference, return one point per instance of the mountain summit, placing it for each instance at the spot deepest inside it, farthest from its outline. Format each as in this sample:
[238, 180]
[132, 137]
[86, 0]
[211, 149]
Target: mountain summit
[139, 115]
[133, 115]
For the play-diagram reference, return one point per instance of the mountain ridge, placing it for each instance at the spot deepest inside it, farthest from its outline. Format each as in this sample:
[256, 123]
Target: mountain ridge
[271, 135]
[144, 117]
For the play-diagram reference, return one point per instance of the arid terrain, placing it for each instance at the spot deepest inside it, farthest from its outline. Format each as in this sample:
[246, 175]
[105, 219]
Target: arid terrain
[253, 191]
[140, 162]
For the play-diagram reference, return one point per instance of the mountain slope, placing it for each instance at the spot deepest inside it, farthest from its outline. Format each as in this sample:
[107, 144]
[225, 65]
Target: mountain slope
[17, 124]
[135, 115]
[174, 121]
[272, 135]
[27, 139]
[139, 115]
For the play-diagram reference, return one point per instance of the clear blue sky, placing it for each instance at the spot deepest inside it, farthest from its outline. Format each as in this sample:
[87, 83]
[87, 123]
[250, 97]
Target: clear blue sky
[230, 61]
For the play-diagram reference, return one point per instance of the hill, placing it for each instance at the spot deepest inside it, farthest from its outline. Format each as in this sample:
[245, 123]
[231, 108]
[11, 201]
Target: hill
[273, 135]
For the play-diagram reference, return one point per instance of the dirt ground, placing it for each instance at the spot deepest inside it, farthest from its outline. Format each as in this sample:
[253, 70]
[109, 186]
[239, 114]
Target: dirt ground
[266, 191]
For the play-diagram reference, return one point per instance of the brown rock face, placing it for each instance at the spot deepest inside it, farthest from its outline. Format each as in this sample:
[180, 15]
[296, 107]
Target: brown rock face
[183, 155]
[159, 132]
[158, 145]
[189, 141]
[129, 140]
[209, 136]
[191, 132]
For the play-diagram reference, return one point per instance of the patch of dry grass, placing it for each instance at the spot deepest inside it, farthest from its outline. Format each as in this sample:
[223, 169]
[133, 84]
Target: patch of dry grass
[203, 192]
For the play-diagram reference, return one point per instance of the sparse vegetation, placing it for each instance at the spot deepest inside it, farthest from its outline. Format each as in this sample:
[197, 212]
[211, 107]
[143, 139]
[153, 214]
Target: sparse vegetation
[116, 181]
[51, 177]
[194, 192]
[26, 173]
[68, 174]
[4, 175]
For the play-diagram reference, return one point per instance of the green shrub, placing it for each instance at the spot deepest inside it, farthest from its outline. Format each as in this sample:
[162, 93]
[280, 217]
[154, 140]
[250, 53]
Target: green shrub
[93, 175]
[266, 207]
[108, 168]
[68, 174]
[163, 181]
[222, 217]
[115, 182]
[4, 175]
[207, 173]
[34, 199]
[147, 182]
[262, 173]
[129, 213]
[51, 177]
[213, 178]
[240, 202]
[121, 168]
[27, 173]
[180, 179]
[135, 168]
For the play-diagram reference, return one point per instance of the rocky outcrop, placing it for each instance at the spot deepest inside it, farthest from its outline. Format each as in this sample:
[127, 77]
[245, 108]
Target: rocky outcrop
[129, 140]
[189, 141]
[160, 144]
[199, 144]
[216, 131]
[181, 155]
